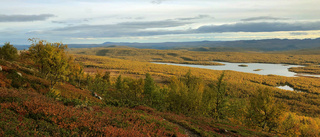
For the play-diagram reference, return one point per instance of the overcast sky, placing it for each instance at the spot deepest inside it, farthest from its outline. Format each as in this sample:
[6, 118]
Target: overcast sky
[98, 21]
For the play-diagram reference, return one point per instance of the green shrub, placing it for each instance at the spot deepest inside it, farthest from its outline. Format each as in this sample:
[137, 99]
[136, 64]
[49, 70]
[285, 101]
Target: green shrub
[8, 52]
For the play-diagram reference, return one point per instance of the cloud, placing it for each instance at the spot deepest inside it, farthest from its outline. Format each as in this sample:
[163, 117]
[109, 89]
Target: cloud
[157, 1]
[59, 22]
[264, 18]
[128, 26]
[298, 33]
[24, 18]
[71, 21]
[154, 24]
[259, 27]
[117, 30]
[132, 18]
[166, 27]
[194, 18]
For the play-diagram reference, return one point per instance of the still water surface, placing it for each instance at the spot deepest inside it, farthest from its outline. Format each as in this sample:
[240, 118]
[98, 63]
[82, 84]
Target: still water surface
[264, 69]
[256, 68]
[286, 87]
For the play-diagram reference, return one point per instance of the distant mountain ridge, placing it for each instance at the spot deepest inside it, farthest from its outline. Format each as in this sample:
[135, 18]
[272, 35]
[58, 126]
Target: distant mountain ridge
[239, 45]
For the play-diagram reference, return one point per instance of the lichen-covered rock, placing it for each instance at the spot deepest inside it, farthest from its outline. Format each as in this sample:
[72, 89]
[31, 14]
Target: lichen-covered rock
[99, 97]
[19, 74]
[96, 95]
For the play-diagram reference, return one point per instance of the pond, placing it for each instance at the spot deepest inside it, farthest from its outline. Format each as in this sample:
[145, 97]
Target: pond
[256, 68]
[286, 87]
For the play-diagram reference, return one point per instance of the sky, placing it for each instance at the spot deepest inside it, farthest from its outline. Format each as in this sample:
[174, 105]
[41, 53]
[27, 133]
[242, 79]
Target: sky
[149, 21]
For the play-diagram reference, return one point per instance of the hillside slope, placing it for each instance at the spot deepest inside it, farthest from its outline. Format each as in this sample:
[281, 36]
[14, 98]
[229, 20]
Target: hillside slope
[29, 108]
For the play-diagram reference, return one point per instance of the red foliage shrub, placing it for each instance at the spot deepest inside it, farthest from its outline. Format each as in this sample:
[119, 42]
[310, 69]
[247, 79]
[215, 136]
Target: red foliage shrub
[103, 121]
[5, 68]
[4, 82]
[145, 108]
[71, 92]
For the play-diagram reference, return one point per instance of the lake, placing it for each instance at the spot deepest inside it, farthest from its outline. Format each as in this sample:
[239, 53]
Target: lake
[256, 68]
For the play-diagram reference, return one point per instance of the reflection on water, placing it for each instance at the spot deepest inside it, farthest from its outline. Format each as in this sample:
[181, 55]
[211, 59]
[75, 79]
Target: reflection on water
[264, 69]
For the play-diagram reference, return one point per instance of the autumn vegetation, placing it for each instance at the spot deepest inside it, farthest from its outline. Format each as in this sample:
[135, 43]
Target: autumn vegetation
[313, 69]
[8, 52]
[45, 91]
[198, 57]
[308, 58]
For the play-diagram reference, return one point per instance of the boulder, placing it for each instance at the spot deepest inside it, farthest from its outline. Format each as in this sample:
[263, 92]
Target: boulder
[96, 95]
[99, 97]
[223, 131]
[19, 74]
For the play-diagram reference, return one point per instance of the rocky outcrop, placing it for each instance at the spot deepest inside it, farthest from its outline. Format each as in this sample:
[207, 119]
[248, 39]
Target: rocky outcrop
[96, 95]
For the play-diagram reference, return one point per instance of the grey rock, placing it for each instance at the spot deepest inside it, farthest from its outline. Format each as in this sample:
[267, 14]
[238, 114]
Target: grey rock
[19, 74]
[99, 97]
[223, 131]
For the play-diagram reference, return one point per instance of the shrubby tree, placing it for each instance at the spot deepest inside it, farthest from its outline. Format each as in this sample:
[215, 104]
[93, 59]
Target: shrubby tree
[185, 94]
[221, 99]
[177, 96]
[51, 60]
[215, 98]
[8, 52]
[195, 87]
[289, 125]
[153, 95]
[129, 91]
[137, 88]
[119, 83]
[133, 90]
[107, 77]
[149, 88]
[264, 111]
[98, 84]
[158, 98]
[77, 74]
[149, 85]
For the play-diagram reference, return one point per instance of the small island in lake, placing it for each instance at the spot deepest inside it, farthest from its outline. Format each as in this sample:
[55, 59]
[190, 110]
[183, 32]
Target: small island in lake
[243, 65]
[257, 69]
